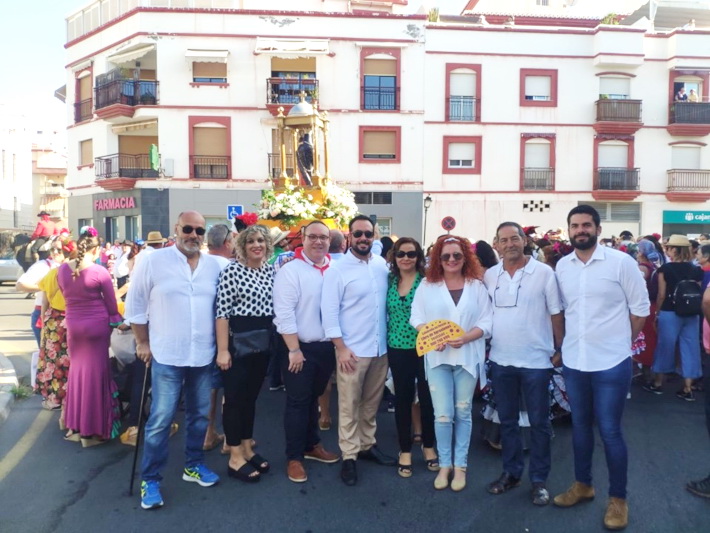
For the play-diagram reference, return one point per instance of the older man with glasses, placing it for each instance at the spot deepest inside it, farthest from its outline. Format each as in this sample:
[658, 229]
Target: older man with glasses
[171, 307]
[527, 328]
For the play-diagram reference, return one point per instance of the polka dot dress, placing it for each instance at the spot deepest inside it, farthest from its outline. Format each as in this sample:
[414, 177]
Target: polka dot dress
[245, 291]
[400, 334]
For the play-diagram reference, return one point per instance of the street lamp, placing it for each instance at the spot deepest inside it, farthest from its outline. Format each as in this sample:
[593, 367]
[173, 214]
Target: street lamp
[427, 205]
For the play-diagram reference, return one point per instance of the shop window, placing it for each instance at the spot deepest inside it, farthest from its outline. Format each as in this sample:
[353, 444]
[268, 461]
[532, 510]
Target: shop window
[538, 87]
[380, 144]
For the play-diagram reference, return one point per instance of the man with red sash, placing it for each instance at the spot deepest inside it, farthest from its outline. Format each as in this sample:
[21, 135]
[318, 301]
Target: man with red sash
[311, 360]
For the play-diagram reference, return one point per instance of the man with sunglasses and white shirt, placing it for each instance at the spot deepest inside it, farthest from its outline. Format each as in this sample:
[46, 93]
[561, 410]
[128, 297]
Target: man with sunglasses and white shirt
[527, 327]
[354, 318]
[171, 308]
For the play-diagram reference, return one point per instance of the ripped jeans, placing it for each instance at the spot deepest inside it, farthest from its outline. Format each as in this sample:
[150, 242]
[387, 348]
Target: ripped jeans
[452, 390]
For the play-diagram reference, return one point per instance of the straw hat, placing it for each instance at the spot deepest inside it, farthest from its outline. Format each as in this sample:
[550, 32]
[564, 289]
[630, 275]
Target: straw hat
[678, 240]
[277, 235]
[155, 237]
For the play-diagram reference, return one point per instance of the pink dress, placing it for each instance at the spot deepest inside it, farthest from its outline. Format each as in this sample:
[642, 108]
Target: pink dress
[91, 403]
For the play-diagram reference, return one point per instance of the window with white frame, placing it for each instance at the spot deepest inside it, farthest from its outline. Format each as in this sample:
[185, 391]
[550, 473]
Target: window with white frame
[462, 155]
[685, 157]
[614, 87]
[538, 88]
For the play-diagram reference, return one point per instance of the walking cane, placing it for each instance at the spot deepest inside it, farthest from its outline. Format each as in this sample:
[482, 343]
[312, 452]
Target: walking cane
[138, 436]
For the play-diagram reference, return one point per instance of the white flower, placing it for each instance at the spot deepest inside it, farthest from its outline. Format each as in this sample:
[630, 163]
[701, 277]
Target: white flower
[275, 212]
[290, 212]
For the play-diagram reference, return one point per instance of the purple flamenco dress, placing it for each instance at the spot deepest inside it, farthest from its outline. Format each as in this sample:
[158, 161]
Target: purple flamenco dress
[91, 403]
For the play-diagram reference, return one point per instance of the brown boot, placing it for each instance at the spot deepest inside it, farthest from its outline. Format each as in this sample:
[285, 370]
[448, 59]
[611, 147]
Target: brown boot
[578, 492]
[296, 472]
[617, 514]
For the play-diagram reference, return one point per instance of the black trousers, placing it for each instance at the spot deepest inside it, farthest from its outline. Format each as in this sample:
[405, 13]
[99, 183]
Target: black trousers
[407, 367]
[242, 383]
[302, 392]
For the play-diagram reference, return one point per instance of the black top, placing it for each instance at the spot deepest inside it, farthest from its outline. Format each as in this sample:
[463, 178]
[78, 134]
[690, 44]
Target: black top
[675, 272]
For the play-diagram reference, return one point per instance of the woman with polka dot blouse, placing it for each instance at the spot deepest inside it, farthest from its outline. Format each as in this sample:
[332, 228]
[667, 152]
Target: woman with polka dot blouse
[244, 303]
[406, 260]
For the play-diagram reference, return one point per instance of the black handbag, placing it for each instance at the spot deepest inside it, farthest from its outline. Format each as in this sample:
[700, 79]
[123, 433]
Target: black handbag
[246, 343]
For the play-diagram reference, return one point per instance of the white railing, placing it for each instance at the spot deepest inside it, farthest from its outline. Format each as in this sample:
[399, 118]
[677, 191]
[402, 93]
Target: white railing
[102, 12]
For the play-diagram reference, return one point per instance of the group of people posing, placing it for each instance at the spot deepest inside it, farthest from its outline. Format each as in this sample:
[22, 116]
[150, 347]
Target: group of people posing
[358, 314]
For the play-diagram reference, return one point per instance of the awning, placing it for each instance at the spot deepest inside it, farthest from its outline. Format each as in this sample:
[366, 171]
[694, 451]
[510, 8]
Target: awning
[207, 56]
[131, 53]
[291, 48]
[135, 126]
[61, 93]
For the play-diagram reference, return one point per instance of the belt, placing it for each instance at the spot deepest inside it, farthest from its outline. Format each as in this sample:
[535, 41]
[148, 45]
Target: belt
[38, 307]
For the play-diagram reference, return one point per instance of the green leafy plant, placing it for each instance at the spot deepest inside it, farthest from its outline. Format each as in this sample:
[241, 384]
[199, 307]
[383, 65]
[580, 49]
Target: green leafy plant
[611, 19]
[21, 392]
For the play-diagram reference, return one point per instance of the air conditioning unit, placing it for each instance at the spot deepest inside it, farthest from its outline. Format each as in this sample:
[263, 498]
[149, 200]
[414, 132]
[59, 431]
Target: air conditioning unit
[168, 168]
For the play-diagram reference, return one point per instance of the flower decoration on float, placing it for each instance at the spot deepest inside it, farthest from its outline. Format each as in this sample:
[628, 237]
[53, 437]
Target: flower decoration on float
[249, 219]
[562, 248]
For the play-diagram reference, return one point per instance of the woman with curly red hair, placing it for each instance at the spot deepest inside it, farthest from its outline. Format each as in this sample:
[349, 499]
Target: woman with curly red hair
[453, 291]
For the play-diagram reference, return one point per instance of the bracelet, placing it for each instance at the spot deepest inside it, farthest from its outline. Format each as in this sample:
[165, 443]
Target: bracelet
[294, 351]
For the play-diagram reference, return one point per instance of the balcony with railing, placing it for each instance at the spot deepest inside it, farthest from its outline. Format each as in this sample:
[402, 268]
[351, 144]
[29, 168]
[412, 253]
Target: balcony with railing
[275, 166]
[380, 98]
[210, 166]
[612, 183]
[118, 172]
[620, 116]
[286, 91]
[538, 179]
[117, 96]
[83, 110]
[463, 109]
[689, 118]
[688, 185]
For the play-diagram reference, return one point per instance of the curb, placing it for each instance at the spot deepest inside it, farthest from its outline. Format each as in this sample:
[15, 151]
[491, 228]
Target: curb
[8, 380]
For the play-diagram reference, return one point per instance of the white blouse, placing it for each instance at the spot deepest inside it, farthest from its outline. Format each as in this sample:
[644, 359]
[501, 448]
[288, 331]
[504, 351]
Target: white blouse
[432, 301]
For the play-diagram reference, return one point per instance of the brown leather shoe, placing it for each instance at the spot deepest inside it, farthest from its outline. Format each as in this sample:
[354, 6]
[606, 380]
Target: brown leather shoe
[318, 453]
[577, 493]
[296, 472]
[617, 514]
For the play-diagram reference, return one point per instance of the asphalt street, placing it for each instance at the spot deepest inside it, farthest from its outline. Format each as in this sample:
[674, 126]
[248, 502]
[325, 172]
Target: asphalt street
[49, 485]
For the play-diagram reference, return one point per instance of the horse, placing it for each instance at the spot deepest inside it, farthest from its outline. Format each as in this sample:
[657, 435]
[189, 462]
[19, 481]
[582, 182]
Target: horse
[22, 244]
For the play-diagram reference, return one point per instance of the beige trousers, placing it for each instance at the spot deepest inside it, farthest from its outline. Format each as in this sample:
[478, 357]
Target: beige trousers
[359, 396]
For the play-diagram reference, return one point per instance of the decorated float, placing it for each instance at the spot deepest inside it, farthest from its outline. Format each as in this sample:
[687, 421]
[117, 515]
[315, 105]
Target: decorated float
[302, 188]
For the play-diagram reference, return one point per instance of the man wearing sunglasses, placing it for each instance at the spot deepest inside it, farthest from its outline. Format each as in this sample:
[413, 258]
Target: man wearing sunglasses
[527, 325]
[171, 307]
[354, 318]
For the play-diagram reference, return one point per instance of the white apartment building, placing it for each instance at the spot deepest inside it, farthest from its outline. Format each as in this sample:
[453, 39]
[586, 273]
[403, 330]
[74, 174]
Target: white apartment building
[493, 120]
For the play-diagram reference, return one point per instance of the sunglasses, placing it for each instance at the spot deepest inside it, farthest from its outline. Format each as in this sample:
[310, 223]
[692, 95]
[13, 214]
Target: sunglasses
[457, 256]
[189, 229]
[410, 255]
[359, 233]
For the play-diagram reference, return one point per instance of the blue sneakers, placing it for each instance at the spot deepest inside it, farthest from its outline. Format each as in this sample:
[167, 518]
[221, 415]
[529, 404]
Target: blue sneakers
[200, 474]
[150, 495]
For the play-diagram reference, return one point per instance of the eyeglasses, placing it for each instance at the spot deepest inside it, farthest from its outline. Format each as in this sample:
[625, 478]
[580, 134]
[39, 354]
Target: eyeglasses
[457, 256]
[187, 229]
[411, 255]
[359, 233]
[314, 238]
[502, 299]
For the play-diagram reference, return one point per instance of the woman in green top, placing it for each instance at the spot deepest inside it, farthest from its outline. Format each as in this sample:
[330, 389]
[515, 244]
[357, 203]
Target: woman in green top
[406, 260]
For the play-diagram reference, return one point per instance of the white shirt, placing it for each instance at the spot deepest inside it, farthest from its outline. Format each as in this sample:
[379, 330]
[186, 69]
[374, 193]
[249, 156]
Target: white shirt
[180, 304]
[597, 298]
[353, 305]
[432, 301]
[298, 287]
[34, 275]
[522, 305]
[121, 267]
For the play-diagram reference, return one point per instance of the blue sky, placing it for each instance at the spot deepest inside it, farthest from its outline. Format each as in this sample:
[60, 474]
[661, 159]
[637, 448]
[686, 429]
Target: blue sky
[33, 36]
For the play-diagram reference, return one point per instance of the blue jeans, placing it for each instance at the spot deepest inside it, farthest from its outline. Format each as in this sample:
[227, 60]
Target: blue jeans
[33, 321]
[167, 383]
[511, 385]
[452, 390]
[599, 395]
[683, 331]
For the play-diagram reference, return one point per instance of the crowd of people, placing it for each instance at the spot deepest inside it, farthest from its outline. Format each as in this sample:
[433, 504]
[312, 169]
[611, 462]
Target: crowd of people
[551, 325]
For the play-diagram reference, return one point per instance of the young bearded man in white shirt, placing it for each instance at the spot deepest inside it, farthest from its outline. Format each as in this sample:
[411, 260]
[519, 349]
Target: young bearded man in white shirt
[171, 308]
[354, 317]
[306, 370]
[526, 301]
[606, 304]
